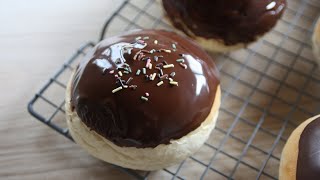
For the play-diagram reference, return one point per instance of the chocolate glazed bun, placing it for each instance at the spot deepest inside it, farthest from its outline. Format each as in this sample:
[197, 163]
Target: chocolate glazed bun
[222, 25]
[300, 159]
[143, 100]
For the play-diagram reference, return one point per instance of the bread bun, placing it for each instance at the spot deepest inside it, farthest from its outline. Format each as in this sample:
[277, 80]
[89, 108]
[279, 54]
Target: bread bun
[300, 158]
[143, 100]
[224, 25]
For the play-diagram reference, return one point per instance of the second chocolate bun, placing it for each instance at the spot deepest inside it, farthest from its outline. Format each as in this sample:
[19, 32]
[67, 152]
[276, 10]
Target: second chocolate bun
[145, 99]
[224, 25]
[300, 159]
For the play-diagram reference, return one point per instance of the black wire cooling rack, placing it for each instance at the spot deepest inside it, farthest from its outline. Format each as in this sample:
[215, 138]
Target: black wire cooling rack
[268, 89]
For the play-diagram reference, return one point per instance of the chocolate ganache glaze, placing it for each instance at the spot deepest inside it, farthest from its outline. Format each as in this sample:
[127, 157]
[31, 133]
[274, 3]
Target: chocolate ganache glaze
[144, 88]
[231, 21]
[308, 164]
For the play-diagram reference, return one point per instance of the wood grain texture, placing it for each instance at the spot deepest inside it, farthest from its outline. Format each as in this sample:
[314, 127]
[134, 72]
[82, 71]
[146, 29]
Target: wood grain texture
[36, 37]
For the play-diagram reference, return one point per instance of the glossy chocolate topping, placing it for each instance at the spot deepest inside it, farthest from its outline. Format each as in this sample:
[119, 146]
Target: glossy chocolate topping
[308, 165]
[147, 110]
[233, 21]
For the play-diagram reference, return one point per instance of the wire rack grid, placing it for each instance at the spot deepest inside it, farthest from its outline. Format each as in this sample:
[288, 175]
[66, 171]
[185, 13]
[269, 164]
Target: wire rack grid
[267, 90]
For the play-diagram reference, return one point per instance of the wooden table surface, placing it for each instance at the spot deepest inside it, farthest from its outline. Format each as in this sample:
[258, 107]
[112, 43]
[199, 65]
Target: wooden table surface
[36, 37]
